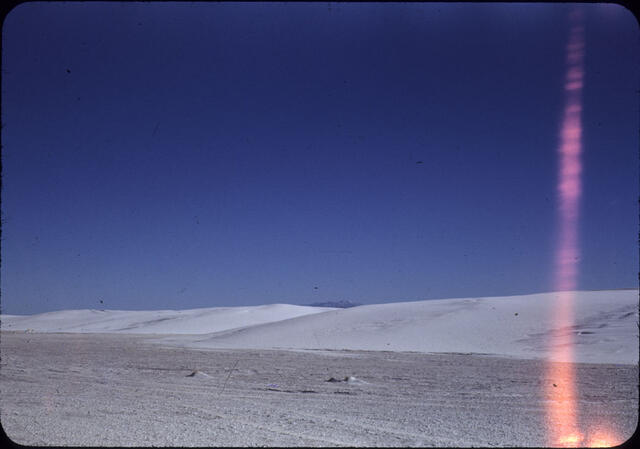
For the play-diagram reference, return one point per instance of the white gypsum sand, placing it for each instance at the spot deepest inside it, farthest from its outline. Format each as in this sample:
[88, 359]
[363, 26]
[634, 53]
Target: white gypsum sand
[604, 327]
[192, 321]
[211, 377]
[119, 390]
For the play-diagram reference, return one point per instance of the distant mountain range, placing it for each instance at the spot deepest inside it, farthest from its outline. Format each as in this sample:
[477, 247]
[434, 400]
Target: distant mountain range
[343, 304]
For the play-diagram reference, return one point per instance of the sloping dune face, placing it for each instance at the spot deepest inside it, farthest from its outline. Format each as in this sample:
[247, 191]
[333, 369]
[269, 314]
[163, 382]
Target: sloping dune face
[194, 321]
[604, 329]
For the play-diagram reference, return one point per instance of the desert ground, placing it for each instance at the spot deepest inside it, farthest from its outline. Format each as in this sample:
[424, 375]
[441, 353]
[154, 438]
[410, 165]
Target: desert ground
[126, 390]
[450, 372]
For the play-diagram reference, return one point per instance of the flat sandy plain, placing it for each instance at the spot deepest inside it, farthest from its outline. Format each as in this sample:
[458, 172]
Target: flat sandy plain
[125, 390]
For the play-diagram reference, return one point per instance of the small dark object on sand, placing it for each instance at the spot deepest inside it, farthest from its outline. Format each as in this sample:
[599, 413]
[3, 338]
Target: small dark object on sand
[346, 379]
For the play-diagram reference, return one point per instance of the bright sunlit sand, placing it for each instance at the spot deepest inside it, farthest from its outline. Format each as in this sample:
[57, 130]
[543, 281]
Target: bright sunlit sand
[604, 327]
[450, 372]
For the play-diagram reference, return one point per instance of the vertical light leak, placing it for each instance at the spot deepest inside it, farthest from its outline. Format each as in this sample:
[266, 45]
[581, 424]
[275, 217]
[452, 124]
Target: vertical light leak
[560, 383]
[560, 386]
[570, 167]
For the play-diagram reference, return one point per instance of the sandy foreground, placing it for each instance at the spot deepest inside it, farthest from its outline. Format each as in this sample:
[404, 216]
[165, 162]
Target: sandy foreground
[126, 390]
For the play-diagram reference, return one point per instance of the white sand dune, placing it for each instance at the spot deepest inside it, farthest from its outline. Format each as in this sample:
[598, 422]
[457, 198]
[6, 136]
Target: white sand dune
[605, 327]
[192, 321]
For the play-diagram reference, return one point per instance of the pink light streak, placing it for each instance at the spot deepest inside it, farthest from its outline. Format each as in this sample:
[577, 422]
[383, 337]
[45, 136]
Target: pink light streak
[570, 167]
[560, 383]
[560, 389]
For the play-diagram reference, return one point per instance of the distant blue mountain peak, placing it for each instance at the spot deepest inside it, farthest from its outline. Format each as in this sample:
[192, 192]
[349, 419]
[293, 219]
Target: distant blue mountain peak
[342, 304]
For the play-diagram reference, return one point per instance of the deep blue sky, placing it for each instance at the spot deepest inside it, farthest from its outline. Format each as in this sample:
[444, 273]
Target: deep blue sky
[192, 155]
